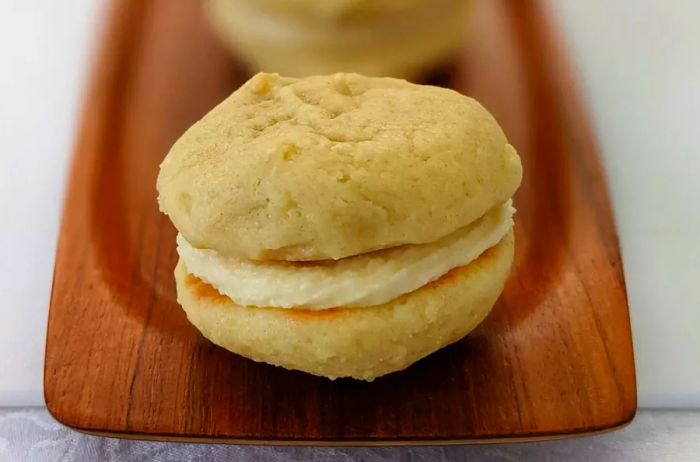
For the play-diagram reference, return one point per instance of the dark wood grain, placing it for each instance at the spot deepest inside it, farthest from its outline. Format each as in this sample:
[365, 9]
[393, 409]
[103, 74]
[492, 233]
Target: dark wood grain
[554, 357]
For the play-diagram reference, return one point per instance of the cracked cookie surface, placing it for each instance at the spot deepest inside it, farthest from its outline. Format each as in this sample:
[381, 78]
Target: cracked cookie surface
[333, 166]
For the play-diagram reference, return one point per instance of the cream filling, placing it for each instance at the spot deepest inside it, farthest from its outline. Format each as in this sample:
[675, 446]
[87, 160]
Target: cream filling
[369, 279]
[246, 16]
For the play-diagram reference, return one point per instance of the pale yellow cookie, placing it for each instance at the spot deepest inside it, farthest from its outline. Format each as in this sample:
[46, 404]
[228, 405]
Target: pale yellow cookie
[359, 342]
[333, 166]
[334, 10]
[407, 38]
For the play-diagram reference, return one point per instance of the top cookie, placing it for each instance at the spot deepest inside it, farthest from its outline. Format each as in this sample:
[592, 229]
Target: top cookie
[333, 166]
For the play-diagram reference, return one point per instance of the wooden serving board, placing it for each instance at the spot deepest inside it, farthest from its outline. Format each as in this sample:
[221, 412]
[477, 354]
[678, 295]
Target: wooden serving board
[553, 359]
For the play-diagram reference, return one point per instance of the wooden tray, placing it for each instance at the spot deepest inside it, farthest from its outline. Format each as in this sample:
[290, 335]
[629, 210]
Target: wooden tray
[553, 359]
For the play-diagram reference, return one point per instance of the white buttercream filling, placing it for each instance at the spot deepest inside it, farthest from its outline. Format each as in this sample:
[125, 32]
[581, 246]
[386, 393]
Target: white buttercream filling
[283, 29]
[368, 279]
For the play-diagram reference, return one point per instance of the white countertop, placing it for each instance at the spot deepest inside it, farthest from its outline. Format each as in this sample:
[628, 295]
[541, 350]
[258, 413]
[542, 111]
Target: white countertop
[654, 436]
[639, 66]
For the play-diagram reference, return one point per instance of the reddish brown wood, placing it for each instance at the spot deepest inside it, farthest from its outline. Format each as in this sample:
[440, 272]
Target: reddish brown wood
[554, 357]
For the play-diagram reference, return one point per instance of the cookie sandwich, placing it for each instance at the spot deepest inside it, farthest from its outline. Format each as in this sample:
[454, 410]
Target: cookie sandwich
[395, 38]
[342, 225]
